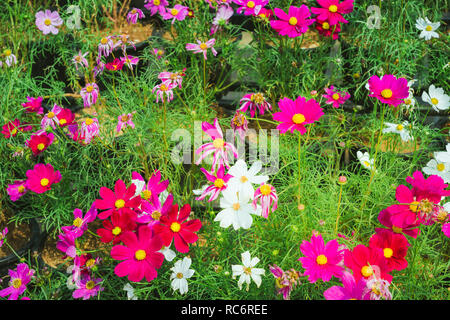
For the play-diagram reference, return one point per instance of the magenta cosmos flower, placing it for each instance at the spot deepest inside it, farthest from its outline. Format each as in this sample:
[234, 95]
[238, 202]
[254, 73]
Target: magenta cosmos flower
[334, 97]
[87, 287]
[294, 23]
[48, 21]
[321, 261]
[254, 102]
[218, 147]
[33, 105]
[239, 124]
[51, 118]
[66, 244]
[202, 47]
[17, 190]
[140, 255]
[134, 15]
[389, 89]
[42, 177]
[125, 120]
[327, 30]
[332, 10]
[268, 196]
[250, 7]
[156, 6]
[80, 223]
[18, 283]
[40, 141]
[105, 47]
[89, 94]
[296, 114]
[153, 211]
[158, 53]
[178, 12]
[219, 180]
[151, 190]
[394, 246]
[164, 89]
[12, 128]
[129, 61]
[352, 289]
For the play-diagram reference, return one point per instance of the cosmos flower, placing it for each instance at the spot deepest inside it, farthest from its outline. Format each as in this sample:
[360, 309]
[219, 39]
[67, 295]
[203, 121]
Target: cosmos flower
[12, 128]
[394, 246]
[42, 177]
[10, 58]
[40, 141]
[90, 94]
[294, 23]
[87, 287]
[219, 180]
[105, 47]
[254, 102]
[164, 91]
[134, 15]
[389, 89]
[156, 6]
[180, 274]
[334, 97]
[80, 59]
[247, 271]
[202, 47]
[328, 30]
[17, 190]
[89, 129]
[285, 281]
[399, 129]
[333, 10]
[441, 169]
[124, 120]
[223, 14]
[48, 21]
[19, 279]
[239, 124]
[351, 290]
[436, 98]
[129, 61]
[267, 194]
[366, 161]
[114, 230]
[80, 223]
[33, 105]
[250, 7]
[243, 178]
[178, 12]
[427, 28]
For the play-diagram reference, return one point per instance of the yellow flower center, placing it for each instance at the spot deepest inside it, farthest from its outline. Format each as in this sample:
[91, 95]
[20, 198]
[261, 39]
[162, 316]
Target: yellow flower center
[16, 283]
[63, 121]
[163, 87]
[124, 118]
[116, 231]
[326, 25]
[156, 2]
[133, 11]
[90, 263]
[366, 163]
[236, 206]
[50, 115]
[14, 131]
[366, 271]
[440, 167]
[321, 260]
[219, 183]
[21, 189]
[146, 194]
[175, 227]
[41, 146]
[442, 216]
[89, 121]
[174, 12]
[408, 102]
[104, 41]
[47, 22]
[156, 215]
[293, 21]
[434, 101]
[218, 143]
[248, 270]
[265, 189]
[414, 206]
[44, 182]
[388, 252]
[179, 275]
[335, 96]
[386, 93]
[257, 97]
[429, 28]
[244, 179]
[333, 8]
[397, 229]
[400, 127]
[159, 53]
[7, 52]
[78, 222]
[120, 203]
[376, 291]
[140, 255]
[298, 118]
[251, 4]
[89, 89]
[262, 15]
[203, 46]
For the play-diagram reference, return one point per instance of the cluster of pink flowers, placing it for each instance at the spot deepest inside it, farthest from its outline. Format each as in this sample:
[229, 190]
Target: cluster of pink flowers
[169, 81]
[177, 13]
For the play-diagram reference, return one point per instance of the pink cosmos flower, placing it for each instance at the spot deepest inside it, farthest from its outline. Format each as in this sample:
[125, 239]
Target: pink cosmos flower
[153, 211]
[352, 289]
[335, 97]
[268, 196]
[48, 21]
[18, 282]
[105, 47]
[156, 6]
[115, 65]
[122, 41]
[219, 180]
[378, 287]
[151, 190]
[321, 260]
[10, 58]
[129, 61]
[3, 236]
[66, 244]
[134, 15]
[389, 89]
[224, 13]
[175, 78]
[407, 225]
[294, 23]
[42, 177]
[239, 124]
[332, 10]
[98, 69]
[80, 59]
[265, 14]
[87, 287]
[285, 281]
[250, 7]
[158, 53]
[140, 255]
[202, 47]
[164, 89]
[12, 128]
[394, 246]
[254, 102]
[17, 190]
[296, 114]
[446, 229]
[89, 129]
[178, 12]
[125, 120]
[90, 94]
[80, 223]
[328, 30]
[39, 141]
[218, 147]
[33, 105]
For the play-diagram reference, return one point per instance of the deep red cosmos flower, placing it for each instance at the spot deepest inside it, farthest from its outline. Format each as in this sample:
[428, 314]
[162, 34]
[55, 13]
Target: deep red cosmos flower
[117, 64]
[13, 127]
[394, 246]
[174, 227]
[65, 117]
[39, 141]
[121, 200]
[114, 230]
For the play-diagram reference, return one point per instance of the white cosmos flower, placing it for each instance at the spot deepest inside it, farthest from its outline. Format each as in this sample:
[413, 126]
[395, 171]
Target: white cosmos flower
[168, 253]
[237, 209]
[399, 129]
[443, 156]
[181, 272]
[436, 98]
[243, 178]
[365, 160]
[247, 271]
[130, 292]
[442, 169]
[428, 28]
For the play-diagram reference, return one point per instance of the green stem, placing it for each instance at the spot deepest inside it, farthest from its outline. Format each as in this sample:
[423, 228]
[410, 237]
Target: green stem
[338, 206]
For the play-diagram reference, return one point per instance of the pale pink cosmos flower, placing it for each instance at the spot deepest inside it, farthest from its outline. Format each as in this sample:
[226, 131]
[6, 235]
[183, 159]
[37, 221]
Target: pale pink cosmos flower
[175, 78]
[89, 129]
[219, 148]
[178, 12]
[48, 21]
[202, 47]
[268, 196]
[219, 180]
[17, 190]
[164, 89]
[156, 6]
[130, 61]
[125, 120]
[122, 41]
[377, 287]
[134, 15]
[254, 101]
[51, 119]
[223, 14]
[89, 94]
[285, 281]
[239, 124]
[105, 47]
[10, 58]
[335, 97]
[80, 59]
